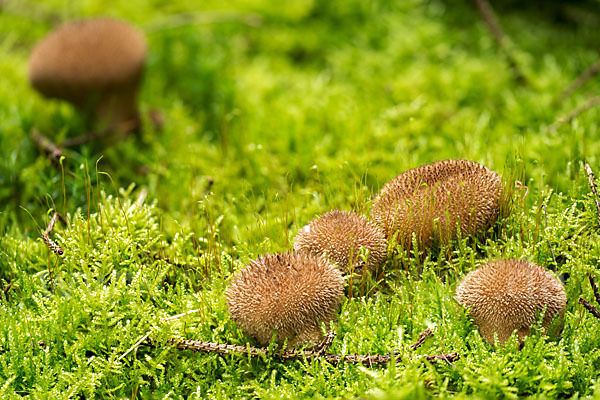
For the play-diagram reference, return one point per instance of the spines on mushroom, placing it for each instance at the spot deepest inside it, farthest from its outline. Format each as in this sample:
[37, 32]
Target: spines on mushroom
[508, 295]
[340, 236]
[287, 293]
[434, 201]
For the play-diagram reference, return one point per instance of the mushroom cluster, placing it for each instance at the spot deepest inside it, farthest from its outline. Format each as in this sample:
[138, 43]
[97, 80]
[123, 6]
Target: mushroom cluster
[95, 64]
[282, 294]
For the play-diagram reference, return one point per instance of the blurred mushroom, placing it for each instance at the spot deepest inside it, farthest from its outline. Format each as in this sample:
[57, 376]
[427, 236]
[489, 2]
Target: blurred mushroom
[507, 295]
[97, 65]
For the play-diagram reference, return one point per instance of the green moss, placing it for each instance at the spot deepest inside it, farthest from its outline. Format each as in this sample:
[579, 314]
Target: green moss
[275, 113]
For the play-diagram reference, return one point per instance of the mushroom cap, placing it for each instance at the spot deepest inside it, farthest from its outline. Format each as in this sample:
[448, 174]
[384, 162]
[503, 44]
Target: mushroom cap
[507, 295]
[435, 200]
[339, 235]
[96, 55]
[288, 292]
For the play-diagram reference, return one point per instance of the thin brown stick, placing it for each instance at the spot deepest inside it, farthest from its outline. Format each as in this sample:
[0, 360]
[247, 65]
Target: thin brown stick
[593, 310]
[322, 347]
[594, 287]
[6, 289]
[594, 101]
[294, 355]
[592, 182]
[158, 257]
[46, 235]
[47, 147]
[426, 334]
[491, 21]
[581, 79]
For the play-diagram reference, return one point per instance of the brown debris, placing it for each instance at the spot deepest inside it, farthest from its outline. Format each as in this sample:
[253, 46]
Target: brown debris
[491, 22]
[581, 79]
[46, 234]
[594, 101]
[426, 334]
[369, 360]
[592, 309]
[48, 147]
[592, 182]
[594, 287]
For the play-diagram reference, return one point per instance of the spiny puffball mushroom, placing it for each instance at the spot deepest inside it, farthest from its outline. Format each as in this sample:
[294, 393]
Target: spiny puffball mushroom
[288, 293]
[339, 236]
[432, 200]
[507, 295]
[96, 64]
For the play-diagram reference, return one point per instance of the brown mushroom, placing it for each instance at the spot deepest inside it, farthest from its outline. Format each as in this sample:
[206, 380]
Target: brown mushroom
[287, 293]
[97, 65]
[339, 236]
[507, 295]
[436, 201]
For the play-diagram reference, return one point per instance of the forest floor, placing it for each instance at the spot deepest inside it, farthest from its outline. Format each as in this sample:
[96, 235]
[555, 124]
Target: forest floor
[274, 113]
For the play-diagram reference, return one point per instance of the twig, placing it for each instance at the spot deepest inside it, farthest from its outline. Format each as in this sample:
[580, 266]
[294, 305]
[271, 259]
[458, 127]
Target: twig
[592, 182]
[593, 310]
[293, 355]
[47, 147]
[426, 334]
[322, 347]
[594, 287]
[581, 79]
[6, 289]
[491, 21]
[594, 101]
[46, 235]
[157, 257]
[548, 240]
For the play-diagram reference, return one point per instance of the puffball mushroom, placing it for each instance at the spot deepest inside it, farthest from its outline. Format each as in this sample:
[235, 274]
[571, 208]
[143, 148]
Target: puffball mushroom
[433, 201]
[287, 293]
[339, 236]
[507, 295]
[96, 64]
